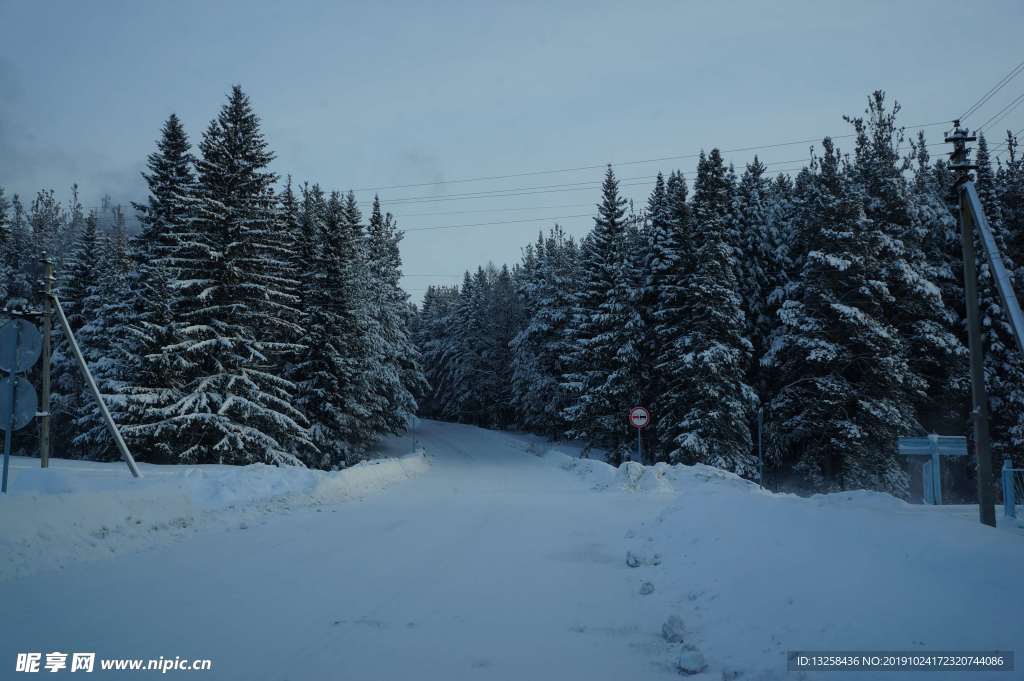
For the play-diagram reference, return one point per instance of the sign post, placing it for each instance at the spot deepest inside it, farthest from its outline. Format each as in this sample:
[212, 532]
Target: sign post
[639, 418]
[20, 346]
[933, 447]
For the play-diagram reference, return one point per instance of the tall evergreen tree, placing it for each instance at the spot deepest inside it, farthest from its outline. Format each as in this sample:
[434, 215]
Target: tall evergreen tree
[707, 404]
[331, 371]
[234, 409]
[601, 375]
[547, 287]
[155, 368]
[396, 376]
[1004, 366]
[847, 384]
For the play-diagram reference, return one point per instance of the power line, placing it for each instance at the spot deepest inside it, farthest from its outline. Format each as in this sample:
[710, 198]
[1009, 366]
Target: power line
[496, 210]
[1005, 111]
[527, 220]
[995, 88]
[523, 191]
[501, 222]
[513, 192]
[597, 166]
[1003, 145]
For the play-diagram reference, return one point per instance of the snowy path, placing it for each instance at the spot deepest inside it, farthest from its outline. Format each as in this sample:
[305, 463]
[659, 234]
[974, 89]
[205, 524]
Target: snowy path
[498, 564]
[478, 569]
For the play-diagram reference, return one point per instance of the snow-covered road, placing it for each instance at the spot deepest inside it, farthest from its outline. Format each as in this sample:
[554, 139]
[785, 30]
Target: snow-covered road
[501, 563]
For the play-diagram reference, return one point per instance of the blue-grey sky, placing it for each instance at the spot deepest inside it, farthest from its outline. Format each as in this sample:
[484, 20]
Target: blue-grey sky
[363, 95]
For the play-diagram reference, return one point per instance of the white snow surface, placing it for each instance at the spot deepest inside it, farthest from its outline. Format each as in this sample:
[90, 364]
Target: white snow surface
[488, 555]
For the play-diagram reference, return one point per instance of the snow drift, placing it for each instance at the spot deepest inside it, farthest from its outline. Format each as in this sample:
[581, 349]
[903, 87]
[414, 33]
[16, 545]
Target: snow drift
[78, 510]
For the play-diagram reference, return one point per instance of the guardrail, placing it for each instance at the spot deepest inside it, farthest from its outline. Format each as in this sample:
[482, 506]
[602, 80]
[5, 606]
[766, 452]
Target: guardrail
[1013, 488]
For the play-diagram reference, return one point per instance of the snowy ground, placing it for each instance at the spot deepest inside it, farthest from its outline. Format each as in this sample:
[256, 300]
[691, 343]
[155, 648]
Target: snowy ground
[495, 557]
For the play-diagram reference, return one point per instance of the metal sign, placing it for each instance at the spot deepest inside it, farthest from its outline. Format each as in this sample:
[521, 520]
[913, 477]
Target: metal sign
[932, 446]
[639, 417]
[26, 338]
[943, 445]
[20, 345]
[25, 403]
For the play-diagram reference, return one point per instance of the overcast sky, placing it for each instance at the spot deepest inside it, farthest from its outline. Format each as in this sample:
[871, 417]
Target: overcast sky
[365, 95]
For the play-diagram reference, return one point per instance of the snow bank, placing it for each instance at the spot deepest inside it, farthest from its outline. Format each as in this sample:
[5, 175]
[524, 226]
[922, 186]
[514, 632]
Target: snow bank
[78, 510]
[661, 478]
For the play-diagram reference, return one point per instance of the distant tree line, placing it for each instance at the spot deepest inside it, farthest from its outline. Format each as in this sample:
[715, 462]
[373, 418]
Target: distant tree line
[248, 321]
[831, 300]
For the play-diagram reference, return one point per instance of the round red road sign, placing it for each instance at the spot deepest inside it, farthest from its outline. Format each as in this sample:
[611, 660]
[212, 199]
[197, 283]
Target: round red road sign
[639, 417]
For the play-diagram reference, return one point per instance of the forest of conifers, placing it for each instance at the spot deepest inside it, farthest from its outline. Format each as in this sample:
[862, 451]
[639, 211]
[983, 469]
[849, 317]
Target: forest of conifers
[831, 301]
[254, 319]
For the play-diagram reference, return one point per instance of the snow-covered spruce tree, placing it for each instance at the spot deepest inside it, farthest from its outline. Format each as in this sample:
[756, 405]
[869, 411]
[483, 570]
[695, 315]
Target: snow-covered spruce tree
[154, 369]
[6, 247]
[937, 235]
[46, 221]
[233, 408]
[80, 282]
[330, 373]
[672, 252]
[469, 368]
[21, 254]
[848, 389]
[395, 374]
[546, 287]
[165, 216]
[661, 277]
[109, 351]
[505, 317]
[911, 299]
[299, 244]
[707, 404]
[757, 264]
[1010, 179]
[525, 370]
[435, 342]
[1004, 366]
[600, 376]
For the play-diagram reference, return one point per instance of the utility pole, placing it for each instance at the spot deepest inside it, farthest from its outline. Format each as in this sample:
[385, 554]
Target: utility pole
[44, 411]
[961, 165]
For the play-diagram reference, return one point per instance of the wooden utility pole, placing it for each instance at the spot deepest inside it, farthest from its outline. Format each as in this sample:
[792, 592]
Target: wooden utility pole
[960, 164]
[44, 411]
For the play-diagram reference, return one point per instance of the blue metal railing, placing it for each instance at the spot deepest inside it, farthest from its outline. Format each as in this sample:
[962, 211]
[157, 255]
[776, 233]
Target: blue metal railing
[1013, 488]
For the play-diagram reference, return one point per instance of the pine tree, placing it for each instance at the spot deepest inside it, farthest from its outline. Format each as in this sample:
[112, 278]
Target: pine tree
[847, 385]
[707, 405]
[601, 376]
[911, 299]
[757, 261]
[21, 256]
[6, 247]
[435, 340]
[46, 218]
[155, 368]
[83, 273]
[103, 337]
[233, 409]
[546, 288]
[396, 378]
[1004, 366]
[937, 235]
[331, 371]
[165, 217]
